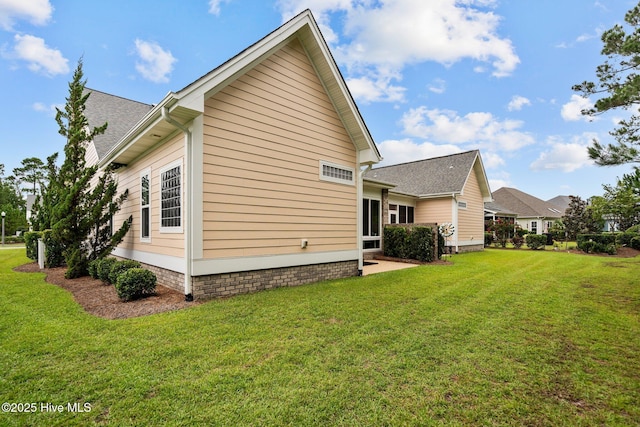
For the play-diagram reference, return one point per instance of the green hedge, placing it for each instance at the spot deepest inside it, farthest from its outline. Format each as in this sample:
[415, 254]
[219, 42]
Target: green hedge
[536, 241]
[415, 242]
[31, 243]
[135, 283]
[598, 243]
[53, 250]
[635, 243]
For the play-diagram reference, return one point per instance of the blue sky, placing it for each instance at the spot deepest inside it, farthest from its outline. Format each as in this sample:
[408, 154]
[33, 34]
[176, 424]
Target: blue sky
[430, 77]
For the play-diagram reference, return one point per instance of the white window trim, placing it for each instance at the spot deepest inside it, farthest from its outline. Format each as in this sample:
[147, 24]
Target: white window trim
[146, 172]
[333, 179]
[165, 168]
[462, 204]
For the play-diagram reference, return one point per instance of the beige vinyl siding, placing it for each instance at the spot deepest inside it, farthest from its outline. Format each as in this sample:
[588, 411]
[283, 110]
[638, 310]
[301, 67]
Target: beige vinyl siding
[434, 210]
[264, 136]
[129, 178]
[471, 219]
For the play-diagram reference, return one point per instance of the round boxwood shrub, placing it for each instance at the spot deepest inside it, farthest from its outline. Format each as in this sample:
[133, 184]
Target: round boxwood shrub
[93, 268]
[120, 267]
[135, 283]
[104, 269]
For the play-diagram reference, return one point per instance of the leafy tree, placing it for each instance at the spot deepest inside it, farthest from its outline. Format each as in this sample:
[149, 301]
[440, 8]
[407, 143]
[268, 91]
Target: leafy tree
[579, 218]
[503, 230]
[31, 172]
[12, 204]
[619, 203]
[81, 217]
[41, 218]
[619, 78]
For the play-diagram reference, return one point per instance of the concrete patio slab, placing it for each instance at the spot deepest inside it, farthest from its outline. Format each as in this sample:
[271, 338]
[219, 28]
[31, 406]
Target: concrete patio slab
[379, 266]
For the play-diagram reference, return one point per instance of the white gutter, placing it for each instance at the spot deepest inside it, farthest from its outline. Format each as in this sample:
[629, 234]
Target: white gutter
[188, 292]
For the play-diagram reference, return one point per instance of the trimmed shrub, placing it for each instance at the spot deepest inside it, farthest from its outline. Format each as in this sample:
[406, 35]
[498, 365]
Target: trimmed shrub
[420, 244]
[624, 239]
[633, 229]
[53, 253]
[31, 243]
[415, 242]
[93, 268]
[104, 268]
[395, 242]
[135, 283]
[536, 241]
[517, 241]
[635, 243]
[488, 239]
[120, 267]
[597, 243]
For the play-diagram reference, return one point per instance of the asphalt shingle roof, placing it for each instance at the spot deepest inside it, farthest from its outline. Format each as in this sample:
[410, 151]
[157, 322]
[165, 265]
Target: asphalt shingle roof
[121, 114]
[438, 175]
[525, 205]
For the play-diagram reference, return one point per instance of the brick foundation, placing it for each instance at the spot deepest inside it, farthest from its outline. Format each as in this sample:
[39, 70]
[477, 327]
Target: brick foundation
[227, 284]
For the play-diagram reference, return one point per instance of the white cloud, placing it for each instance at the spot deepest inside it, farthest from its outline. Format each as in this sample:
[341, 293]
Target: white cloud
[40, 57]
[438, 86]
[368, 90]
[214, 6]
[492, 160]
[517, 102]
[407, 150]
[572, 110]
[564, 156]
[402, 32]
[155, 63]
[37, 12]
[478, 129]
[49, 110]
[381, 38]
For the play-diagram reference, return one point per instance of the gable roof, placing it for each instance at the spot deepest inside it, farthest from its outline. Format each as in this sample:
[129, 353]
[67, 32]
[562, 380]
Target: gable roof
[438, 176]
[525, 205]
[120, 114]
[188, 103]
[496, 208]
[561, 202]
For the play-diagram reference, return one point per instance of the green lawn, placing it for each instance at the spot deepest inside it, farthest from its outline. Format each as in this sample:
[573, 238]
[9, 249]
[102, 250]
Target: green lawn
[498, 338]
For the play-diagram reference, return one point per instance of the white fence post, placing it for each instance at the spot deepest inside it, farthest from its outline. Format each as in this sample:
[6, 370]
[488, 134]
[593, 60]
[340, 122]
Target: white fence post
[40, 253]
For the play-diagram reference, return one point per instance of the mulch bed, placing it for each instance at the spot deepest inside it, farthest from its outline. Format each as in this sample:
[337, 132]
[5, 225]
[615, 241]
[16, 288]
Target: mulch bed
[101, 300]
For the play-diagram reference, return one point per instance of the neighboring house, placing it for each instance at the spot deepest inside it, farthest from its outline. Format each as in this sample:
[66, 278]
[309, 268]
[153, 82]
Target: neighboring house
[250, 177]
[31, 200]
[561, 202]
[533, 214]
[494, 211]
[449, 189]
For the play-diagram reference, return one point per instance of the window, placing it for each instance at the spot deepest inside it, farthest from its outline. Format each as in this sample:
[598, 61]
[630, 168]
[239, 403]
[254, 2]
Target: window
[371, 223]
[145, 205]
[171, 199]
[462, 205]
[400, 214]
[534, 227]
[336, 173]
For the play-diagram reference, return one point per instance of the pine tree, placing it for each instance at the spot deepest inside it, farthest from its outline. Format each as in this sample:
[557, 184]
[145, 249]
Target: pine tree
[81, 217]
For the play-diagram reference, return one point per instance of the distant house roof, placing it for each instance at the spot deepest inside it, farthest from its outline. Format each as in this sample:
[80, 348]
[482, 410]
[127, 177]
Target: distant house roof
[498, 209]
[121, 114]
[525, 205]
[444, 175]
[562, 202]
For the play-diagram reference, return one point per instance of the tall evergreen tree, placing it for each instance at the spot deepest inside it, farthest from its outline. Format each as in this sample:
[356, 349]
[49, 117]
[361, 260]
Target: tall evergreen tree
[81, 218]
[41, 216]
[619, 78]
[31, 172]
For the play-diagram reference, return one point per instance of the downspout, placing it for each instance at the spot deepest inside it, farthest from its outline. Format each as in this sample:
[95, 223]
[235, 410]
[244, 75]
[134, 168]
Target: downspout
[359, 196]
[455, 221]
[188, 292]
